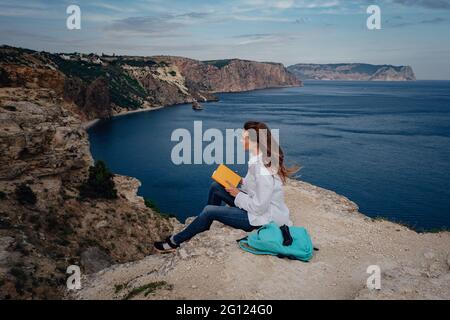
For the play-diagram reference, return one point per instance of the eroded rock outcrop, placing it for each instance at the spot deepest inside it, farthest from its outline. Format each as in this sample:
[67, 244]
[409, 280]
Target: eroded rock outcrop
[93, 99]
[44, 225]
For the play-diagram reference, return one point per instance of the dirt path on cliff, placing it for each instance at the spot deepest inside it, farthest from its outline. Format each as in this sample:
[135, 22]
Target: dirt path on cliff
[211, 266]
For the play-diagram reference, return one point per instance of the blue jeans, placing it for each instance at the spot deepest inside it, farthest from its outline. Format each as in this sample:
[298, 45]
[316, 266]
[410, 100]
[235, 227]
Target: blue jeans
[214, 211]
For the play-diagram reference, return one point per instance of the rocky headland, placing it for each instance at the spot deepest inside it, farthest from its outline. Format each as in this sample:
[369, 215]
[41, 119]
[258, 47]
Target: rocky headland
[352, 71]
[102, 86]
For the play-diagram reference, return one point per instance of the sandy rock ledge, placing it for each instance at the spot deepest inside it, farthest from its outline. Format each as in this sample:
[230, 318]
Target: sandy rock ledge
[211, 266]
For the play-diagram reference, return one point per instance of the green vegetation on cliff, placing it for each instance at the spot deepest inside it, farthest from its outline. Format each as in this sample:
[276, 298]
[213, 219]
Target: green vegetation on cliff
[152, 205]
[218, 63]
[100, 183]
[125, 91]
[25, 195]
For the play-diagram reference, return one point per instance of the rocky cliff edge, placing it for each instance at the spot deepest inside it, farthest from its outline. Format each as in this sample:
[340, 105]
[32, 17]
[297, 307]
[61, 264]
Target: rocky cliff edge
[44, 224]
[211, 266]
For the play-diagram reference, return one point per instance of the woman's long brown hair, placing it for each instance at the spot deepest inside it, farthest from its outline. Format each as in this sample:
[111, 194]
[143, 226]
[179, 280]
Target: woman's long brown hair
[267, 146]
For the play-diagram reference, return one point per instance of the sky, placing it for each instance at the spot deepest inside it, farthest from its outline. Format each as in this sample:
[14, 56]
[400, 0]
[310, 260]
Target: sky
[413, 32]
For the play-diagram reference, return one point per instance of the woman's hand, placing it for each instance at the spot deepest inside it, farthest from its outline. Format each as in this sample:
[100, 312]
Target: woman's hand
[233, 191]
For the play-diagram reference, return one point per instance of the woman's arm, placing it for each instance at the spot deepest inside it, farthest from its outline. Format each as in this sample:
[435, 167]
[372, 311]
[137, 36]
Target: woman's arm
[243, 187]
[233, 191]
[257, 204]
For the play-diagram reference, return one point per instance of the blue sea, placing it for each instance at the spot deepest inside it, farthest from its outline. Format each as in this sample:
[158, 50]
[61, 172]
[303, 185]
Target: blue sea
[384, 145]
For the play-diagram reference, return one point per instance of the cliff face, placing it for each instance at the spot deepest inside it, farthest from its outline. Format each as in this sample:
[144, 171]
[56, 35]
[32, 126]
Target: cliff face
[233, 75]
[101, 86]
[44, 224]
[36, 70]
[355, 71]
[93, 99]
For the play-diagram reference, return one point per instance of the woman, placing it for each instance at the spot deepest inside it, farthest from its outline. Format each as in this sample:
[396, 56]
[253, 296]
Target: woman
[260, 199]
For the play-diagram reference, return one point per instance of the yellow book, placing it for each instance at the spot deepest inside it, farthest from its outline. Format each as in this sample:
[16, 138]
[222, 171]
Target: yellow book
[223, 175]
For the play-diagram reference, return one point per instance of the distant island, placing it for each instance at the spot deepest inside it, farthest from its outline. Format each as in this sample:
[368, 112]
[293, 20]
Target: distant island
[352, 71]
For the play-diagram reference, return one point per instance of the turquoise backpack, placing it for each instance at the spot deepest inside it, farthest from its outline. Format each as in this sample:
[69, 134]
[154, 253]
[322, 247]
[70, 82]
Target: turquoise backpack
[284, 242]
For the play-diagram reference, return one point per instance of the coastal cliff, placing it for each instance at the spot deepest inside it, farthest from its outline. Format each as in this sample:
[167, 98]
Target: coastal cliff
[102, 86]
[352, 71]
[45, 224]
[233, 75]
[413, 265]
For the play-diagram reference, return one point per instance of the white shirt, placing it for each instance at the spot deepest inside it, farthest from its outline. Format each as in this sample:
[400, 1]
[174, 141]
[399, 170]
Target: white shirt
[262, 195]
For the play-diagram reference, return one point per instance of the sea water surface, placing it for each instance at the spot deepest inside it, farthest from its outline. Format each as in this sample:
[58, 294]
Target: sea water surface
[384, 145]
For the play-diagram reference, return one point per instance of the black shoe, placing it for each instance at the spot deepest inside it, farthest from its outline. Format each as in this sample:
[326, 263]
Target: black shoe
[165, 246]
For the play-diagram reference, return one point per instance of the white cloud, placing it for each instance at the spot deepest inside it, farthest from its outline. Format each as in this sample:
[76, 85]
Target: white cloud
[285, 4]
